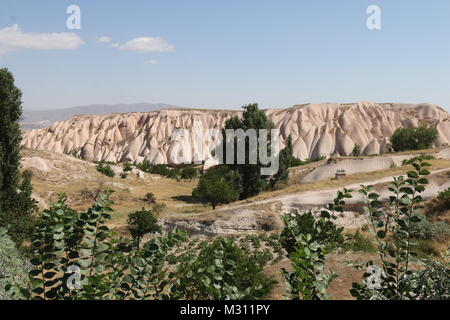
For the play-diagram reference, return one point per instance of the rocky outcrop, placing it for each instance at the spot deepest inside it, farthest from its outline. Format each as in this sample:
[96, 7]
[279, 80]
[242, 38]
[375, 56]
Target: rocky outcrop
[316, 130]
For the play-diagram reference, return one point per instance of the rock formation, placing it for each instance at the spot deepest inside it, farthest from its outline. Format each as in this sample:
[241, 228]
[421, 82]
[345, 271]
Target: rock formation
[316, 130]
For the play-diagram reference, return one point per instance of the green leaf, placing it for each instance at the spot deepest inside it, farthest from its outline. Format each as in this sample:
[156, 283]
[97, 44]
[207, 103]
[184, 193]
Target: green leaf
[412, 174]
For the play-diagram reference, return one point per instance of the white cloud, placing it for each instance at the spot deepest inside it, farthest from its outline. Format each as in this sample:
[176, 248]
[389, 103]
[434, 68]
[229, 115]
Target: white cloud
[104, 39]
[147, 44]
[151, 62]
[115, 45]
[13, 39]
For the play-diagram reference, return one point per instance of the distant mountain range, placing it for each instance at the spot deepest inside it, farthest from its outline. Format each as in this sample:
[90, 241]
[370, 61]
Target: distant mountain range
[45, 118]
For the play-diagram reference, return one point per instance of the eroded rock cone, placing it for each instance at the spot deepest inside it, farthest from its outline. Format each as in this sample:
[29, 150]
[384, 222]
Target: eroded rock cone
[316, 130]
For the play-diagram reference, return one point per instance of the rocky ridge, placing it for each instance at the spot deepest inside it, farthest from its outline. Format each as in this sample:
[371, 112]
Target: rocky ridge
[316, 130]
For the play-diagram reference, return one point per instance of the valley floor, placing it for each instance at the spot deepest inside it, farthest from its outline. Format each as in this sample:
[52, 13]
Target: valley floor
[54, 174]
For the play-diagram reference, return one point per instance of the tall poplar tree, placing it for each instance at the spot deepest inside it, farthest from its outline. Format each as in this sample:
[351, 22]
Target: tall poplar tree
[252, 118]
[16, 204]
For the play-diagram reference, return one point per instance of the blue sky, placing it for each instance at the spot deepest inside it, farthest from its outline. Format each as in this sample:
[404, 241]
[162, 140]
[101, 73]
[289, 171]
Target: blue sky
[224, 54]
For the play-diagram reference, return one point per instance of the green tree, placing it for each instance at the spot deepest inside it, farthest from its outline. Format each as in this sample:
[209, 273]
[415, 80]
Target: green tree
[16, 204]
[19, 217]
[414, 138]
[189, 173]
[10, 133]
[214, 188]
[356, 152]
[286, 160]
[140, 223]
[252, 118]
[173, 174]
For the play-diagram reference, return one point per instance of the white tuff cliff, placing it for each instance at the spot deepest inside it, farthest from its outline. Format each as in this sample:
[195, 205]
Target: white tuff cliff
[316, 130]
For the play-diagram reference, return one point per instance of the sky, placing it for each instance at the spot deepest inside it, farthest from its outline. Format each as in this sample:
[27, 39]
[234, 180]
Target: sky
[227, 53]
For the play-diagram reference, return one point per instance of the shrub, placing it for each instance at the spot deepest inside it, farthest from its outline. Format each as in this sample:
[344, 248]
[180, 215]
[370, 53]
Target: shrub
[150, 197]
[426, 248]
[393, 225]
[357, 242]
[356, 152]
[307, 240]
[109, 268]
[144, 166]
[413, 138]
[322, 230]
[444, 196]
[106, 170]
[173, 174]
[189, 173]
[123, 175]
[127, 167]
[423, 229]
[140, 223]
[13, 268]
[222, 270]
[160, 169]
[433, 280]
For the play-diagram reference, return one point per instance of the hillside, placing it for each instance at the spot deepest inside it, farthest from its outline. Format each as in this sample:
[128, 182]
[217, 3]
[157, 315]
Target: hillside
[56, 173]
[316, 130]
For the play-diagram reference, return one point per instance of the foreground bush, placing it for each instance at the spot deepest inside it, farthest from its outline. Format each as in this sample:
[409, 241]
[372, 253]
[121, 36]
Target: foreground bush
[222, 271]
[13, 268]
[394, 226]
[76, 256]
[307, 239]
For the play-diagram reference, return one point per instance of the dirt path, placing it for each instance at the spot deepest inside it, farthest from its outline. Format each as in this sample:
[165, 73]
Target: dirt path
[322, 197]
